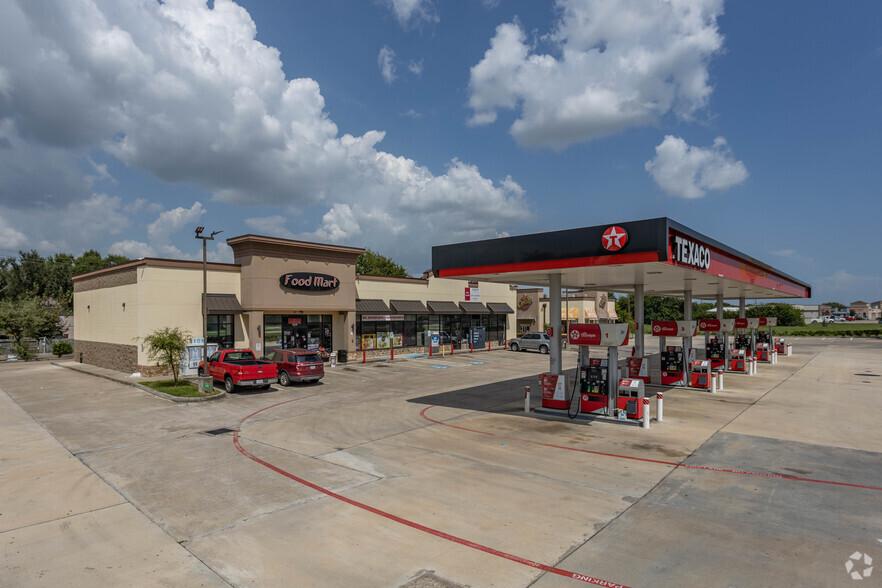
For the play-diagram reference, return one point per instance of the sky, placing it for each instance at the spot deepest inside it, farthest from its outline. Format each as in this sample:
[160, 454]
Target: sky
[401, 124]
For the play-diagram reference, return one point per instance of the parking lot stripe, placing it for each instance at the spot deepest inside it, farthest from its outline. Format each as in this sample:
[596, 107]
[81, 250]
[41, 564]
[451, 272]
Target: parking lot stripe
[407, 522]
[648, 460]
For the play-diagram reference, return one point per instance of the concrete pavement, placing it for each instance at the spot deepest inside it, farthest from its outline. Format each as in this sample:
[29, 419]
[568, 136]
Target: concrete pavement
[384, 472]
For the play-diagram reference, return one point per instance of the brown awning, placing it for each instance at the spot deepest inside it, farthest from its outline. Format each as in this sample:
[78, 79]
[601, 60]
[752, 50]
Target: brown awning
[374, 306]
[223, 304]
[473, 308]
[499, 308]
[443, 307]
[408, 306]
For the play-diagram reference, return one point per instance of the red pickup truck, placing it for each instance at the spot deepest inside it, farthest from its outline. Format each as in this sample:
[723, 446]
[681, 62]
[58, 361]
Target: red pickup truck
[239, 368]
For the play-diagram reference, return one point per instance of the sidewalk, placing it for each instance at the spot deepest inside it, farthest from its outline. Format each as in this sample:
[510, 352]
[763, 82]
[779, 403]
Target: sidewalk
[55, 509]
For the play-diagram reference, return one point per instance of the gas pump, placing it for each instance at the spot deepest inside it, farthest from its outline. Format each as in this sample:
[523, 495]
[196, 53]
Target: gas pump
[716, 340]
[595, 389]
[766, 349]
[593, 385]
[674, 358]
[673, 366]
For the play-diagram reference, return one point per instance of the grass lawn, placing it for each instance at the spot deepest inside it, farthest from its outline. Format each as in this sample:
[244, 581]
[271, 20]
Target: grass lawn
[184, 389]
[832, 330]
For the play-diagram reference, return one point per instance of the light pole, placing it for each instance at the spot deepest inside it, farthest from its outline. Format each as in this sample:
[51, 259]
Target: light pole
[205, 293]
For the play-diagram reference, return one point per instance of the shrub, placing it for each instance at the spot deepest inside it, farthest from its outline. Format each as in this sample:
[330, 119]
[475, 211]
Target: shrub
[166, 346]
[61, 347]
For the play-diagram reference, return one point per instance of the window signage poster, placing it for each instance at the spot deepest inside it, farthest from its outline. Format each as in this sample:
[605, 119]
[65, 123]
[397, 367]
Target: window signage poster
[367, 342]
[382, 317]
[472, 294]
[384, 340]
[294, 321]
[397, 340]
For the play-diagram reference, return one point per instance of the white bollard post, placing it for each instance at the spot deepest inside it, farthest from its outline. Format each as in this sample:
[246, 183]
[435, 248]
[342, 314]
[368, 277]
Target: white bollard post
[658, 406]
[719, 380]
[713, 377]
[526, 399]
[645, 413]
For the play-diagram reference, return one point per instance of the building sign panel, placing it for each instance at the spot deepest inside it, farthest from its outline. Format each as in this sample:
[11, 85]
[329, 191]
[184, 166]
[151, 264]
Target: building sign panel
[472, 294]
[382, 317]
[689, 252]
[309, 281]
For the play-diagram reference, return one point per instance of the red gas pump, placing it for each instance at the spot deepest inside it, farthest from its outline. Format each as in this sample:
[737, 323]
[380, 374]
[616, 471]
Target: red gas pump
[631, 394]
[701, 374]
[738, 361]
[673, 366]
[593, 386]
[673, 359]
[597, 378]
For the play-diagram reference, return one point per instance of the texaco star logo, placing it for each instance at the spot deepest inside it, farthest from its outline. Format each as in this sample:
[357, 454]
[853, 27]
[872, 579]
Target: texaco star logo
[614, 238]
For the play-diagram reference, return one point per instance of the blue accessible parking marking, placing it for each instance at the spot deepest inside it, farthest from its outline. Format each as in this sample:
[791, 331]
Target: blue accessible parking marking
[439, 367]
[478, 362]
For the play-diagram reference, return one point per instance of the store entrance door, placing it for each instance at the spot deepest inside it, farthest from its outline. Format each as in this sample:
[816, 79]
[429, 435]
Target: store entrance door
[294, 332]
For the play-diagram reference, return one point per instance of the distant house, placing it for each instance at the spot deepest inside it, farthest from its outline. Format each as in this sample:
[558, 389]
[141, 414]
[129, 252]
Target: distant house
[860, 309]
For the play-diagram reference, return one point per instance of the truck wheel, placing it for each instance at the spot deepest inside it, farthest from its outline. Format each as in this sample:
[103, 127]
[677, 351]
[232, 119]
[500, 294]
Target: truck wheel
[229, 386]
[514, 347]
[543, 349]
[284, 380]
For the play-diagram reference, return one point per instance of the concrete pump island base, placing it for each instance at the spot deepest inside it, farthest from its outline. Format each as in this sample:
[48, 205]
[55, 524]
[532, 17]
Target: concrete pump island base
[428, 473]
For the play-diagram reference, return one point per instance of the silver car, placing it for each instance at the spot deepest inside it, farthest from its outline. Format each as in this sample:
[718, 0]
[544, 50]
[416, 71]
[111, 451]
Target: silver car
[535, 341]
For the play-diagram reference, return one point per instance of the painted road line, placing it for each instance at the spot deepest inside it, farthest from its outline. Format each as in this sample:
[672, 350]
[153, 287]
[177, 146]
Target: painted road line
[407, 522]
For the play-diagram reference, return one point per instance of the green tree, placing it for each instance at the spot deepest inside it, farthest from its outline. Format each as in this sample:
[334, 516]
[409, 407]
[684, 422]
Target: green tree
[371, 263]
[166, 346]
[835, 305]
[787, 315]
[62, 347]
[27, 318]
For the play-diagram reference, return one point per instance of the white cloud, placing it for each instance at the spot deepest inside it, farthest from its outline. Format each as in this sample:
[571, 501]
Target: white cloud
[846, 288]
[616, 64]
[11, 237]
[386, 63]
[688, 172]
[172, 221]
[412, 114]
[413, 13]
[186, 93]
[792, 254]
[275, 225]
[415, 67]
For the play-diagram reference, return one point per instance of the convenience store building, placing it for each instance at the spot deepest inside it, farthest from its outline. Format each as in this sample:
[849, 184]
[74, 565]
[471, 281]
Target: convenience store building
[278, 293]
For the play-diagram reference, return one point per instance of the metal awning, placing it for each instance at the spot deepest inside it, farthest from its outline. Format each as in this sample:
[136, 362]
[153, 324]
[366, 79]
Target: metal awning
[408, 306]
[660, 255]
[223, 304]
[375, 306]
[443, 307]
[473, 308]
[590, 313]
[499, 308]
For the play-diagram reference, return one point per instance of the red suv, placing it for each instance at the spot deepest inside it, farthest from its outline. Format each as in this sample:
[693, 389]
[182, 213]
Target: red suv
[297, 365]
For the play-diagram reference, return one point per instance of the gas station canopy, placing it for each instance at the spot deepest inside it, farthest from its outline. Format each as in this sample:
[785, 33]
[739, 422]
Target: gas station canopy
[667, 258]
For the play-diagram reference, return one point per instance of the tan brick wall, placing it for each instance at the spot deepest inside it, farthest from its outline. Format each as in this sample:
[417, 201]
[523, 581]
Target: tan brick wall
[114, 356]
[120, 278]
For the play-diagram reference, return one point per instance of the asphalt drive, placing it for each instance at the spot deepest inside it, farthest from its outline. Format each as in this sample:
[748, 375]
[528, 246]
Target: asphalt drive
[427, 472]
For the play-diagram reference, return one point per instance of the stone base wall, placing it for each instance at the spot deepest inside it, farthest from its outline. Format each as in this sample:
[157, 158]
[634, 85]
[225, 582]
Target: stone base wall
[150, 371]
[114, 356]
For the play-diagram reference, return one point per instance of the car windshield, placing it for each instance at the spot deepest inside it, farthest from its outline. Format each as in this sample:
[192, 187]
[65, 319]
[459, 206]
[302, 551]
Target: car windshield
[307, 358]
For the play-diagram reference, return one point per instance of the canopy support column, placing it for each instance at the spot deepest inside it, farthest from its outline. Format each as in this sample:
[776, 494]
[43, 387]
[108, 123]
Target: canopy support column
[639, 303]
[555, 360]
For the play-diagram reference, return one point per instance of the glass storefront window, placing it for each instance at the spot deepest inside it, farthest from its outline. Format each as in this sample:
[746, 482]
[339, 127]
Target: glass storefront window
[220, 330]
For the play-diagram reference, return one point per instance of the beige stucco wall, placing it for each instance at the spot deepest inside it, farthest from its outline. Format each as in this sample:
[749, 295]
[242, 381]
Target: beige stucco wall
[99, 314]
[172, 297]
[436, 289]
[261, 289]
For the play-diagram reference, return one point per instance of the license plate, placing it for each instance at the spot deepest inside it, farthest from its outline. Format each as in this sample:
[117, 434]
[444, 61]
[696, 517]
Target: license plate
[260, 381]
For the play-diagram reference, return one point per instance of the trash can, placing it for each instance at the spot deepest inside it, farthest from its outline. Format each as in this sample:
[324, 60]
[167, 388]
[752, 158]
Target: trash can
[342, 356]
